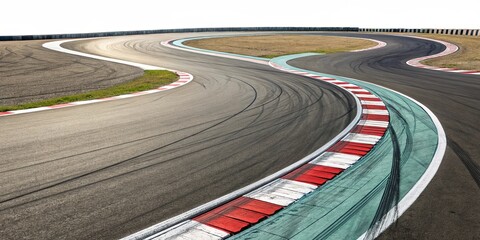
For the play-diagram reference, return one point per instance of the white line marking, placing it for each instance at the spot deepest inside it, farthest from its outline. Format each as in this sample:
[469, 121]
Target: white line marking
[380, 44]
[293, 185]
[358, 90]
[334, 164]
[29, 110]
[56, 46]
[376, 103]
[271, 198]
[167, 44]
[373, 123]
[347, 85]
[375, 111]
[336, 158]
[278, 190]
[366, 95]
[361, 138]
[189, 229]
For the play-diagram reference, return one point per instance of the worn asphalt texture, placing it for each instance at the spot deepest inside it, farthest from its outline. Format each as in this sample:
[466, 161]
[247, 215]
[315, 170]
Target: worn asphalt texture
[30, 73]
[106, 170]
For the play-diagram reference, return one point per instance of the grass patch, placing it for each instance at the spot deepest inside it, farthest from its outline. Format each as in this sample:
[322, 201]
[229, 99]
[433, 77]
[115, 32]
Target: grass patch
[151, 79]
[270, 46]
[467, 57]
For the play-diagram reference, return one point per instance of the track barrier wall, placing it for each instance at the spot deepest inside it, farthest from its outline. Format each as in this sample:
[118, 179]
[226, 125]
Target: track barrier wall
[462, 32]
[123, 33]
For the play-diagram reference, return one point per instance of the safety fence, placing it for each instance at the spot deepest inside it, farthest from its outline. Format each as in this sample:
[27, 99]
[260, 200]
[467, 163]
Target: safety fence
[464, 32]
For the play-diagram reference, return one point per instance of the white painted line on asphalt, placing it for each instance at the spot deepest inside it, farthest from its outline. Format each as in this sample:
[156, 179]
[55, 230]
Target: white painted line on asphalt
[326, 78]
[189, 229]
[212, 230]
[460, 71]
[335, 82]
[31, 110]
[86, 102]
[124, 96]
[336, 158]
[380, 44]
[375, 111]
[358, 90]
[293, 185]
[190, 49]
[176, 230]
[56, 46]
[192, 234]
[376, 103]
[285, 193]
[271, 198]
[347, 85]
[366, 95]
[333, 164]
[278, 190]
[373, 123]
[152, 91]
[361, 138]
[442, 69]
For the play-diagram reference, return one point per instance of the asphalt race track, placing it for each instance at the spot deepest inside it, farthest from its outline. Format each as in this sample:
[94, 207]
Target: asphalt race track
[106, 170]
[30, 72]
[448, 208]
[102, 171]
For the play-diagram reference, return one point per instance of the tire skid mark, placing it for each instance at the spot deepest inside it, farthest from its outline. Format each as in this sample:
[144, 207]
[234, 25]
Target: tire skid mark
[236, 215]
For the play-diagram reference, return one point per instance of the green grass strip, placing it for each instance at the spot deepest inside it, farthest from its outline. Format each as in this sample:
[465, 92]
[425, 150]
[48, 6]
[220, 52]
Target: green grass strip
[151, 79]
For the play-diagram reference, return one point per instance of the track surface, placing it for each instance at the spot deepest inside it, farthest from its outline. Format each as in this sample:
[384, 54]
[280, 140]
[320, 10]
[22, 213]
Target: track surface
[105, 170]
[448, 208]
[30, 72]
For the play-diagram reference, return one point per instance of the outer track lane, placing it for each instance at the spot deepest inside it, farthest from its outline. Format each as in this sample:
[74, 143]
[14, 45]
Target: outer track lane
[448, 208]
[106, 170]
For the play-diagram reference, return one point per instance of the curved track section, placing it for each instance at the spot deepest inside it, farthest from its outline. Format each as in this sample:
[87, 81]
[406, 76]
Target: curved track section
[449, 49]
[183, 78]
[448, 208]
[30, 72]
[108, 169]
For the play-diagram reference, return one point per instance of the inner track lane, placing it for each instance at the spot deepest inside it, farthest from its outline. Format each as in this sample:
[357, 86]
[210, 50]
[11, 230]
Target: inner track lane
[109, 169]
[30, 72]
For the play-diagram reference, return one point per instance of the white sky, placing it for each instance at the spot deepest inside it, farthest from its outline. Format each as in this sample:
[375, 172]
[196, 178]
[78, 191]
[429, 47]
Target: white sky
[55, 16]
